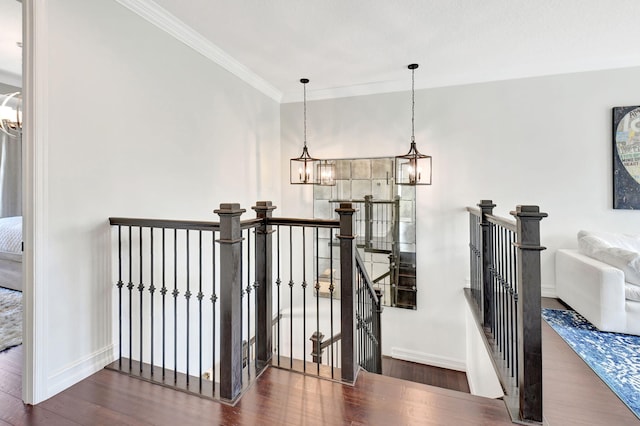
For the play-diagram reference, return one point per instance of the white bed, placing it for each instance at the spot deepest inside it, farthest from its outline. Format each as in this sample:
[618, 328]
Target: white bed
[11, 252]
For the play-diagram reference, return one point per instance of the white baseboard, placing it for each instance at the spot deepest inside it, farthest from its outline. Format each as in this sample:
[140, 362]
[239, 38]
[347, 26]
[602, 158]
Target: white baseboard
[79, 370]
[428, 359]
[548, 292]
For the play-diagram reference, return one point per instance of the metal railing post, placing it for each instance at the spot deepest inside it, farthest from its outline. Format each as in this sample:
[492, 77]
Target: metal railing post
[230, 300]
[264, 278]
[486, 207]
[529, 327]
[349, 364]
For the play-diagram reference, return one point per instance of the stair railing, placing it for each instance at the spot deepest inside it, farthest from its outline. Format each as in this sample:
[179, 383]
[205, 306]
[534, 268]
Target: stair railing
[505, 293]
[195, 299]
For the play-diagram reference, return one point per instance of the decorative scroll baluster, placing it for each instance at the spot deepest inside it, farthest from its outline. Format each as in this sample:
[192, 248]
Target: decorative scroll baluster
[152, 290]
[140, 290]
[130, 288]
[214, 299]
[304, 296]
[248, 291]
[200, 296]
[278, 282]
[175, 294]
[163, 292]
[187, 297]
[291, 297]
[331, 290]
[318, 355]
[119, 285]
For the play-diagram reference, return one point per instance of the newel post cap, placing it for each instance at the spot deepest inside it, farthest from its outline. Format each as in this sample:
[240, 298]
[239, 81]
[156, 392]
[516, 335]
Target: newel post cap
[232, 209]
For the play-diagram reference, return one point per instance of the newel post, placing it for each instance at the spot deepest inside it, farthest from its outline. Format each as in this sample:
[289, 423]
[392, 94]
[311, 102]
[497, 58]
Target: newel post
[264, 277]
[316, 346]
[347, 299]
[486, 207]
[529, 327]
[230, 300]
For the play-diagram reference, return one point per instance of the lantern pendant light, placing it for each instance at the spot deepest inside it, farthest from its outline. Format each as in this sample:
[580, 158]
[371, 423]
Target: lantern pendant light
[413, 168]
[306, 170]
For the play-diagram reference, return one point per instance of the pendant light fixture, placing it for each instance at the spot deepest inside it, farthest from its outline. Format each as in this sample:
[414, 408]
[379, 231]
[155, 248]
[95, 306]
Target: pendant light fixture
[413, 168]
[11, 114]
[306, 170]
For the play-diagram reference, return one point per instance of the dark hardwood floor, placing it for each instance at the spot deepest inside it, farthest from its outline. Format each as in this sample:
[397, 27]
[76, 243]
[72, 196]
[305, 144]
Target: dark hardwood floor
[573, 395]
[278, 397]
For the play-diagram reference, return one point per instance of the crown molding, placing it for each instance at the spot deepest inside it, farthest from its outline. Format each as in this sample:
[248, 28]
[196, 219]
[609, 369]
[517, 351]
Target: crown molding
[348, 91]
[161, 18]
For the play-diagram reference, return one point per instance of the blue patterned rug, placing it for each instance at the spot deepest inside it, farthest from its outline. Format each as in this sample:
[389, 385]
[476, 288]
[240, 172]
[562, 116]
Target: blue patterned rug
[614, 357]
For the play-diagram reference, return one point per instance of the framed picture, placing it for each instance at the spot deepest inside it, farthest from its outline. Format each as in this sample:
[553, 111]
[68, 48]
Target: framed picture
[626, 157]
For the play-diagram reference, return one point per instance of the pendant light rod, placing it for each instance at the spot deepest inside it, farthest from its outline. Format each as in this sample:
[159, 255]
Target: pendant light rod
[304, 82]
[413, 67]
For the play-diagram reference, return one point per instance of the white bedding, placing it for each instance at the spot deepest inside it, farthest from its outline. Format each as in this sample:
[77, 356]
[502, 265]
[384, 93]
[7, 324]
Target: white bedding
[11, 252]
[11, 234]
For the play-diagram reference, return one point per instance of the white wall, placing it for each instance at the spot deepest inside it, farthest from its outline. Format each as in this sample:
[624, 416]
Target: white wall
[139, 125]
[544, 141]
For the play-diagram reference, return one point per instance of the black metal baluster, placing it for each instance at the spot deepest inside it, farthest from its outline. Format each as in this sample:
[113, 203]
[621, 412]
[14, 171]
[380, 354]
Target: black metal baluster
[163, 291]
[130, 288]
[187, 296]
[120, 284]
[248, 289]
[514, 333]
[152, 290]
[505, 290]
[214, 299]
[494, 274]
[515, 298]
[358, 339]
[291, 297]
[140, 289]
[304, 298]
[200, 296]
[505, 319]
[331, 288]
[501, 300]
[503, 262]
[510, 302]
[317, 287]
[175, 294]
[278, 282]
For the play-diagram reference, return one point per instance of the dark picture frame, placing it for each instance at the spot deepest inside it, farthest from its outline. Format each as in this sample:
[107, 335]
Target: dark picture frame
[626, 157]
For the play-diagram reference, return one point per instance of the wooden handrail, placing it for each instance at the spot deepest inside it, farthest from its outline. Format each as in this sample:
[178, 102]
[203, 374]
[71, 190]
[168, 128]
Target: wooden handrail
[164, 223]
[290, 221]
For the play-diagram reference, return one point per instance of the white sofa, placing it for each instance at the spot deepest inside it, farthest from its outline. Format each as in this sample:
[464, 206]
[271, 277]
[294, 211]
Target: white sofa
[606, 290]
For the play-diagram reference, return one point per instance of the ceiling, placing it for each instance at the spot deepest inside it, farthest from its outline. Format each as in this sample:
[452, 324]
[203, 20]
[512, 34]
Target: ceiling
[363, 46]
[356, 47]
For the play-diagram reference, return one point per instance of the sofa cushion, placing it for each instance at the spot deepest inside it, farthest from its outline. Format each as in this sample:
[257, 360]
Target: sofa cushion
[625, 241]
[616, 250]
[632, 292]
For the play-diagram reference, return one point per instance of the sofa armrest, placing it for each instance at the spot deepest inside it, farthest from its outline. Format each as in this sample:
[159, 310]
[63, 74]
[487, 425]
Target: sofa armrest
[593, 288]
